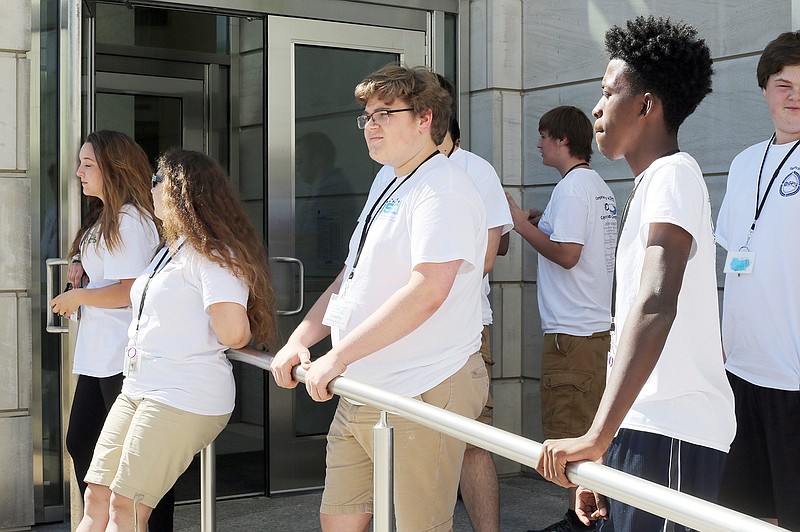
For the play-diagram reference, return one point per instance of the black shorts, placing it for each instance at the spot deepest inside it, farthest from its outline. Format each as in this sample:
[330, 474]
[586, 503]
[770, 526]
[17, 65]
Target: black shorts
[679, 465]
[760, 477]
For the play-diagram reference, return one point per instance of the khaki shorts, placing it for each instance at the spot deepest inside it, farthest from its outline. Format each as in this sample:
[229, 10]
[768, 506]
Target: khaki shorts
[145, 446]
[427, 464]
[486, 354]
[573, 381]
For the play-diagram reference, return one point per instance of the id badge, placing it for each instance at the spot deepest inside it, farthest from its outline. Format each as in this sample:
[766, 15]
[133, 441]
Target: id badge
[739, 262]
[133, 361]
[612, 350]
[338, 312]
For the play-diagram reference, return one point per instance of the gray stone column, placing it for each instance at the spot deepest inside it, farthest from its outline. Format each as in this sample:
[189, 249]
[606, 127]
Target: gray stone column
[496, 134]
[16, 439]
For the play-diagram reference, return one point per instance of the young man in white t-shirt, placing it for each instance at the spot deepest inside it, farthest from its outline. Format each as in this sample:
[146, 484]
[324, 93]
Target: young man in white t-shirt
[575, 239]
[478, 486]
[760, 312]
[404, 314]
[667, 411]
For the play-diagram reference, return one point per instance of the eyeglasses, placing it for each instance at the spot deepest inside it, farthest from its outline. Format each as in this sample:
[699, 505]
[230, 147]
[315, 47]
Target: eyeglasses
[157, 179]
[380, 118]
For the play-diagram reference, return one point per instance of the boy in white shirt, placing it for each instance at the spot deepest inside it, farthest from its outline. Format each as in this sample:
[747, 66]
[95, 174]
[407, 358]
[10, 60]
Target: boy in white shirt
[667, 411]
[404, 314]
[760, 311]
[575, 239]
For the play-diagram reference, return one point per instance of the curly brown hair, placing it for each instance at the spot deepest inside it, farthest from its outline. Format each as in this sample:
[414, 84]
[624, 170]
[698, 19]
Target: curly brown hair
[201, 205]
[126, 176]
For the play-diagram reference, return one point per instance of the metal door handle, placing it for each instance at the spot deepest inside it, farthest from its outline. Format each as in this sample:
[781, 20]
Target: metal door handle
[299, 263]
[52, 265]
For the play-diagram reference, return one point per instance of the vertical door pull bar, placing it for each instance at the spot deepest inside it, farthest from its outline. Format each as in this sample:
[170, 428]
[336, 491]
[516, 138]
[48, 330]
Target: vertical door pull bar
[302, 273]
[52, 267]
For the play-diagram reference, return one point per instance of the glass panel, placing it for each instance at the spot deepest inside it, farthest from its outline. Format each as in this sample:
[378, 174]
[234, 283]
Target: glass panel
[333, 173]
[52, 468]
[162, 28]
[250, 120]
[450, 48]
[154, 121]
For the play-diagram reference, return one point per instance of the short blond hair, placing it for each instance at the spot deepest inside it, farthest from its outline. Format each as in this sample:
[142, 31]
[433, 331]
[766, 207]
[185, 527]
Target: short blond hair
[417, 86]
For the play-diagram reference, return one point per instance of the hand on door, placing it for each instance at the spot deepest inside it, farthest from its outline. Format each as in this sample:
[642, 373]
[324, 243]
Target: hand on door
[76, 275]
[67, 303]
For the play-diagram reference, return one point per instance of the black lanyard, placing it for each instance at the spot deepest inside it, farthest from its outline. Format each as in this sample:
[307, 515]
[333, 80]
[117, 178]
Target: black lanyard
[370, 220]
[168, 256]
[760, 205]
[574, 167]
[620, 226]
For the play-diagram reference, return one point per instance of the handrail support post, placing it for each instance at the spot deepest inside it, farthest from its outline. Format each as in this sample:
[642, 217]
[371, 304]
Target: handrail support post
[208, 489]
[383, 474]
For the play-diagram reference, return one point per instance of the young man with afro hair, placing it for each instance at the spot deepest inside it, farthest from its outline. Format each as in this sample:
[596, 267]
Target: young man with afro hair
[667, 411]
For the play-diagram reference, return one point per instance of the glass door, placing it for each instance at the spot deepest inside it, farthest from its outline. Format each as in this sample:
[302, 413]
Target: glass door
[319, 177]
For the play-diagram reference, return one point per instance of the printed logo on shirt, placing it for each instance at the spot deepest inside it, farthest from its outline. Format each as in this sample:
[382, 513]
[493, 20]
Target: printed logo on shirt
[790, 184]
[610, 206]
[389, 210]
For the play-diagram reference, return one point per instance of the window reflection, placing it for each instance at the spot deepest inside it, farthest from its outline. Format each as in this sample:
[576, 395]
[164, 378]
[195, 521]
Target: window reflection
[332, 176]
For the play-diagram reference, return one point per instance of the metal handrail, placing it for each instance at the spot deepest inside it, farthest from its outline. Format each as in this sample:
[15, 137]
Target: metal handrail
[654, 498]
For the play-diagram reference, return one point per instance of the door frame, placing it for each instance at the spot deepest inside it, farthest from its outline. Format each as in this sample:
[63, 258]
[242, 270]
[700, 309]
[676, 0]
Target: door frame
[189, 91]
[283, 34]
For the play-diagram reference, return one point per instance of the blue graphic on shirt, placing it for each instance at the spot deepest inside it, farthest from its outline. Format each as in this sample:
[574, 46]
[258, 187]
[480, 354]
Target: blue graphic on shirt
[389, 209]
[739, 265]
[790, 184]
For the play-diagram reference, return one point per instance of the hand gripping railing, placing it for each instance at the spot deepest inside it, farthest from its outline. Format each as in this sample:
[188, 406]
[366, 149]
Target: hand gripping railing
[660, 500]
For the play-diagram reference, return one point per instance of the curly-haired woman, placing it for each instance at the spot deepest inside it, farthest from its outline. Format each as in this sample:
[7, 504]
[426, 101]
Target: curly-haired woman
[113, 246]
[207, 290]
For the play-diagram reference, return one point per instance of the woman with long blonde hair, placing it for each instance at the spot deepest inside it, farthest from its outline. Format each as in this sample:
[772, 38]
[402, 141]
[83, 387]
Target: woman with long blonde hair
[206, 290]
[113, 246]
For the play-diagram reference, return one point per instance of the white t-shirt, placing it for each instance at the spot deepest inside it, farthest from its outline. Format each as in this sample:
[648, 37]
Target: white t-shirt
[183, 363]
[498, 214]
[761, 310]
[436, 216]
[103, 332]
[687, 396]
[582, 210]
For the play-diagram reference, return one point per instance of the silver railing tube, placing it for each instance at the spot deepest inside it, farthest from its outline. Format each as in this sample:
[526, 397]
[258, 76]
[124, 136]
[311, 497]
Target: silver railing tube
[660, 500]
[208, 489]
[383, 475]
